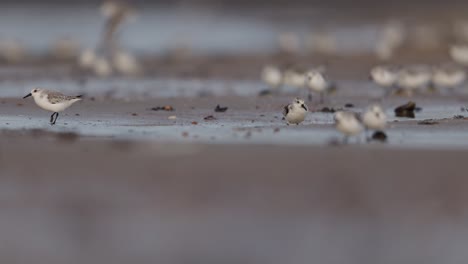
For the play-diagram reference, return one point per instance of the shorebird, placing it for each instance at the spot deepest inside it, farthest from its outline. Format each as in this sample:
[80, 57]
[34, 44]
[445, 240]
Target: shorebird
[52, 101]
[295, 112]
[385, 77]
[294, 78]
[316, 81]
[348, 123]
[272, 76]
[374, 118]
[102, 67]
[448, 76]
[108, 57]
[459, 53]
[125, 63]
[391, 38]
[87, 59]
[116, 13]
[412, 78]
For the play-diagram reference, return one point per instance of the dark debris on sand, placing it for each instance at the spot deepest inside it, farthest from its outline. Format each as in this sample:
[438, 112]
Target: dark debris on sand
[264, 93]
[349, 105]
[428, 122]
[379, 136]
[220, 109]
[406, 110]
[209, 118]
[328, 110]
[168, 108]
[458, 117]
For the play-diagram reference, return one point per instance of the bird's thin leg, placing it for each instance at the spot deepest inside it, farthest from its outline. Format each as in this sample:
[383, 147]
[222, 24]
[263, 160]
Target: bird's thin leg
[52, 118]
[309, 96]
[56, 116]
[322, 98]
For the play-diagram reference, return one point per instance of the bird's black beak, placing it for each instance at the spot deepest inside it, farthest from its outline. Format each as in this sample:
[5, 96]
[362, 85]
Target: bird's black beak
[305, 107]
[29, 94]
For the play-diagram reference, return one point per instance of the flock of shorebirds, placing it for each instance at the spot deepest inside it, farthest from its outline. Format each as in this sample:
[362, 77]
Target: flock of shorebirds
[406, 80]
[109, 57]
[348, 123]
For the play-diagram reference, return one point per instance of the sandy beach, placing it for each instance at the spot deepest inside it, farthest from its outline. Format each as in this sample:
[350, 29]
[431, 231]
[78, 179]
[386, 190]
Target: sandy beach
[145, 169]
[92, 200]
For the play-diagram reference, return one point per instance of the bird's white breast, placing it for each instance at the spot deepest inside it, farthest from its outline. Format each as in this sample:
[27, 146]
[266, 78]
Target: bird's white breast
[44, 103]
[372, 121]
[349, 126]
[296, 115]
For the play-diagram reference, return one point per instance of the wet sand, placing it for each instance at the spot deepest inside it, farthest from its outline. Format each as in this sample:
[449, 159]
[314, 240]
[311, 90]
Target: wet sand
[248, 119]
[116, 182]
[72, 199]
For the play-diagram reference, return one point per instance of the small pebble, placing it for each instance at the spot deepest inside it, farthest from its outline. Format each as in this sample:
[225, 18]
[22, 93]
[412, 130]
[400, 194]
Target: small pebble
[428, 122]
[209, 118]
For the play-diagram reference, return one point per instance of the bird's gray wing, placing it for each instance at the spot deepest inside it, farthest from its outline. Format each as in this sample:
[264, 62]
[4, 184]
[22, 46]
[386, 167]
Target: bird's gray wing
[358, 116]
[56, 97]
[286, 110]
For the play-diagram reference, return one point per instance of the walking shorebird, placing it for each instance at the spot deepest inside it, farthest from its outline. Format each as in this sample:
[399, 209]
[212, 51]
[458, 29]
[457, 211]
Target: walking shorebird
[52, 101]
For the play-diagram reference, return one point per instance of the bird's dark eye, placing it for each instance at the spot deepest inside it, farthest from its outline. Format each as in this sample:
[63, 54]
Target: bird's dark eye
[35, 91]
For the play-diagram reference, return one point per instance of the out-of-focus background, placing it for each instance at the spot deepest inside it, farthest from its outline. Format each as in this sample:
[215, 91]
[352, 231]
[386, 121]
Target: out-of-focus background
[147, 169]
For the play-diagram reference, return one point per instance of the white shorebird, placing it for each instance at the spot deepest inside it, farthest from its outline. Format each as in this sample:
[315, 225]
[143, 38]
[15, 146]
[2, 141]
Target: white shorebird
[293, 78]
[448, 76]
[316, 81]
[52, 101]
[295, 112]
[87, 59]
[414, 77]
[102, 67]
[272, 76]
[459, 53]
[348, 123]
[374, 118]
[108, 58]
[385, 77]
[391, 37]
[126, 64]
[99, 65]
